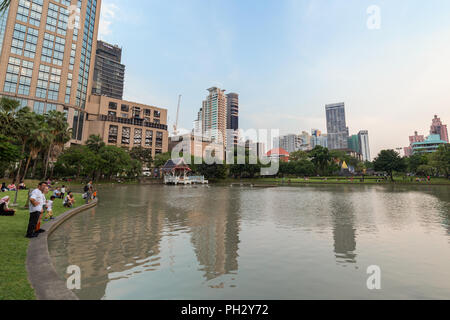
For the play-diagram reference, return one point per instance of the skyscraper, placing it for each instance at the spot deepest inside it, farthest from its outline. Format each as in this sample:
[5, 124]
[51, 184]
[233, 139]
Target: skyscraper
[109, 72]
[215, 115]
[46, 56]
[438, 128]
[338, 132]
[364, 145]
[233, 116]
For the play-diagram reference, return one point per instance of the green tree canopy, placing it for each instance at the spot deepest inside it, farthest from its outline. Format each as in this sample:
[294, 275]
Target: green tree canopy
[389, 161]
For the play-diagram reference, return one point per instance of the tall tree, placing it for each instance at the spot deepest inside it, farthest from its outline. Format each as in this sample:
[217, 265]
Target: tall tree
[24, 124]
[389, 161]
[321, 158]
[441, 160]
[41, 138]
[144, 156]
[60, 135]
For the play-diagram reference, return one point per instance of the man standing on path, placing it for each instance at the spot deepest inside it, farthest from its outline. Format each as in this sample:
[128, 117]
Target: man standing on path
[37, 202]
[38, 227]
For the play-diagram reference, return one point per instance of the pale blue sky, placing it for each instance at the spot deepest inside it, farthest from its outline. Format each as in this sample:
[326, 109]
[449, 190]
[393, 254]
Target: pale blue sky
[288, 58]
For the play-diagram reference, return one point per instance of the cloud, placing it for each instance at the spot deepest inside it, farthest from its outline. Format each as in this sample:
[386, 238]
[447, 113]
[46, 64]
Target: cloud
[107, 18]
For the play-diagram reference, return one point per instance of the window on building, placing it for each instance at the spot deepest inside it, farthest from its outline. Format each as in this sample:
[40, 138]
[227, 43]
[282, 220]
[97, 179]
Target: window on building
[136, 112]
[148, 138]
[113, 132]
[125, 108]
[137, 137]
[157, 114]
[112, 105]
[159, 139]
[126, 134]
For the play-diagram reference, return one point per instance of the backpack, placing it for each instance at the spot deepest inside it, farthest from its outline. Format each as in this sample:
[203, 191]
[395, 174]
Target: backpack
[86, 188]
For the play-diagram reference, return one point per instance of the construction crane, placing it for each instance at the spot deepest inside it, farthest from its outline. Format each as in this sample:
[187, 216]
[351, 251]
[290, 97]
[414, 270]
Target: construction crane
[175, 126]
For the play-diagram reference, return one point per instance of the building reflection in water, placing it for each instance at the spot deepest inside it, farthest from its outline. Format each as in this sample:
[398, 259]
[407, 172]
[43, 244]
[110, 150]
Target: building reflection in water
[126, 239]
[215, 234]
[344, 232]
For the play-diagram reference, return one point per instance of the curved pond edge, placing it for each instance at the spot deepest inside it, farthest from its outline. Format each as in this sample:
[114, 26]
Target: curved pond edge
[41, 272]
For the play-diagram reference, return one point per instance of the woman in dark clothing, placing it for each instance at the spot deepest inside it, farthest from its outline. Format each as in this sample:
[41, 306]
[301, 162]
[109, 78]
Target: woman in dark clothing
[4, 188]
[4, 210]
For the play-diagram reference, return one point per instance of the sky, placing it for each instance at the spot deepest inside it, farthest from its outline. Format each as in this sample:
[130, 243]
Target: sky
[287, 59]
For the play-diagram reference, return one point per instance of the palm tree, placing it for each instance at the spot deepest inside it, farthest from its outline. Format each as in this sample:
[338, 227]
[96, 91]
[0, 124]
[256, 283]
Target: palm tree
[42, 137]
[59, 129]
[95, 143]
[4, 4]
[8, 111]
[24, 124]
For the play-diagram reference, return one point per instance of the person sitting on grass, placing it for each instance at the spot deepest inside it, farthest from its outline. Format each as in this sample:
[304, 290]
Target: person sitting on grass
[4, 188]
[69, 200]
[57, 193]
[4, 210]
[49, 207]
[12, 187]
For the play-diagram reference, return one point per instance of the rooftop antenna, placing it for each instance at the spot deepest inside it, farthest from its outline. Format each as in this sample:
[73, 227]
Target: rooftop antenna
[175, 126]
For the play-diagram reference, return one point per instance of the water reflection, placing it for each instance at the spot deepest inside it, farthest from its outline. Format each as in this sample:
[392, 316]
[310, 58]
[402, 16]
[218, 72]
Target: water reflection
[344, 232]
[166, 243]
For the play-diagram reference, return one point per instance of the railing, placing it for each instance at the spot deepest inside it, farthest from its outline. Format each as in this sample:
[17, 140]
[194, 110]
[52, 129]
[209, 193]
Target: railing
[133, 122]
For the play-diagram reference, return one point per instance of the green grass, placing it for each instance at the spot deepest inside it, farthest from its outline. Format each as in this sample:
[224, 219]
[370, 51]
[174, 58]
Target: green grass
[14, 283]
[339, 180]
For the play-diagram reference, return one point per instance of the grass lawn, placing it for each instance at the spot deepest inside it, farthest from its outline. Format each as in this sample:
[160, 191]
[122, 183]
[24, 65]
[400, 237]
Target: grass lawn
[340, 180]
[14, 283]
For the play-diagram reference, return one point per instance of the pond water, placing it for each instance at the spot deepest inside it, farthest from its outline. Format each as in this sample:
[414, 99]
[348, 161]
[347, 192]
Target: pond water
[223, 242]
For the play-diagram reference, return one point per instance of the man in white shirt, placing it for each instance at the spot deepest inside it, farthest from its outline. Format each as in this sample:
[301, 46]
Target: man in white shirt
[37, 202]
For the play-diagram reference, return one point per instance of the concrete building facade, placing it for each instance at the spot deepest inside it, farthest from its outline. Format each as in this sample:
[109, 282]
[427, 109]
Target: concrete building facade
[128, 124]
[46, 57]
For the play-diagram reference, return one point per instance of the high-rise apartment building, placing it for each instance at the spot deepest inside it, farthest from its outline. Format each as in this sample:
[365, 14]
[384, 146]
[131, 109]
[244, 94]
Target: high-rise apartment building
[47, 54]
[438, 128]
[198, 123]
[338, 132]
[109, 72]
[290, 142]
[364, 146]
[214, 115]
[305, 141]
[233, 116]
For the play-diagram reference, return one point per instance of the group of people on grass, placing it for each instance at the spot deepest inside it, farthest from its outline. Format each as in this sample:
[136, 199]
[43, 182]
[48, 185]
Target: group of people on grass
[39, 205]
[12, 187]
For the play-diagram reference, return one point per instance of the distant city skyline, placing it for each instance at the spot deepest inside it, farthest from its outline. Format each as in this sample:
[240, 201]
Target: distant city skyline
[321, 51]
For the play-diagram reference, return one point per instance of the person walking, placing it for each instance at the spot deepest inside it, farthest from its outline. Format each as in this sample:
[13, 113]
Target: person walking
[89, 190]
[37, 201]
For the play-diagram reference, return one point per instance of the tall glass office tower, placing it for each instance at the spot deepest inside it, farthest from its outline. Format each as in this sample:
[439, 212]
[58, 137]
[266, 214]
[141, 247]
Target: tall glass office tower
[46, 56]
[338, 132]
